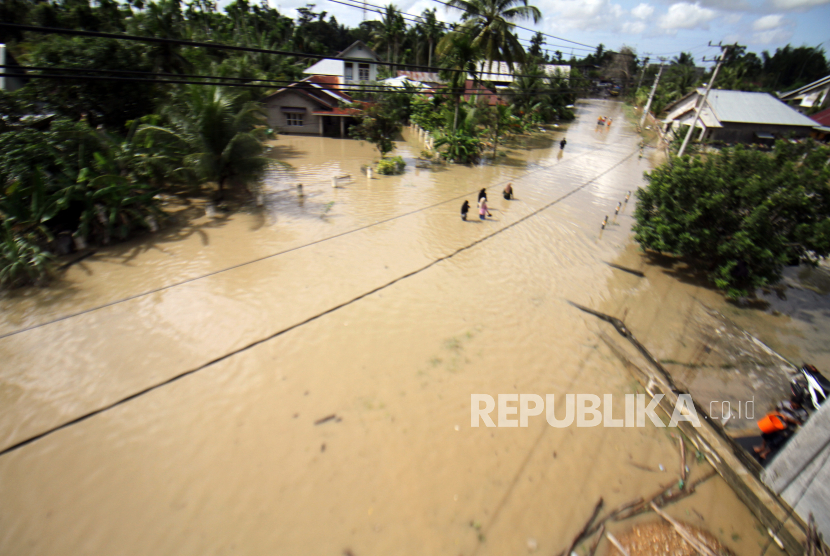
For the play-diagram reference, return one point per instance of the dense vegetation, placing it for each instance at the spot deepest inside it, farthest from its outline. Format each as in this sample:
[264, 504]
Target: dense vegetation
[785, 70]
[83, 161]
[742, 213]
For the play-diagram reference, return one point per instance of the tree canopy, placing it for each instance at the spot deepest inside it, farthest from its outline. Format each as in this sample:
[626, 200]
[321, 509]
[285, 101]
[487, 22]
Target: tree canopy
[741, 213]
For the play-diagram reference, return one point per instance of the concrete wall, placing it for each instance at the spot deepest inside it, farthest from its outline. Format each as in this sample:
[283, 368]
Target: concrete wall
[800, 473]
[276, 117]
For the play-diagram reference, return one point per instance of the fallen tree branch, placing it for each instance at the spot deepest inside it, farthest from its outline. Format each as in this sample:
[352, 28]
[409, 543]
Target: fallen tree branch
[617, 544]
[583, 533]
[687, 536]
[592, 550]
[624, 331]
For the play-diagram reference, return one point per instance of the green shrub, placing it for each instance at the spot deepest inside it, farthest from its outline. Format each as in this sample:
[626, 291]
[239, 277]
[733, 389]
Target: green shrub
[22, 260]
[740, 213]
[391, 166]
[461, 147]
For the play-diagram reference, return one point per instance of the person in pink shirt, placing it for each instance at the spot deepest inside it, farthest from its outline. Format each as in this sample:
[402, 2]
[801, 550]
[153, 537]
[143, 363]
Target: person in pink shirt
[482, 209]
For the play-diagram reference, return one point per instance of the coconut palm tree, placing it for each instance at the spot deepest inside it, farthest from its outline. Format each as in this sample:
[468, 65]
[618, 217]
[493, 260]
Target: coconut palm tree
[460, 58]
[491, 22]
[222, 135]
[431, 31]
[390, 32]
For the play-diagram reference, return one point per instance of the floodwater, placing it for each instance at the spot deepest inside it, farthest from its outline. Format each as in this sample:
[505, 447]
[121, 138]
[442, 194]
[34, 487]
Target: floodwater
[170, 386]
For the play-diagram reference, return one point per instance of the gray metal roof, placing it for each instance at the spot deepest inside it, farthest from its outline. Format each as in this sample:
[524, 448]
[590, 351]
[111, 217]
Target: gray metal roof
[797, 93]
[753, 108]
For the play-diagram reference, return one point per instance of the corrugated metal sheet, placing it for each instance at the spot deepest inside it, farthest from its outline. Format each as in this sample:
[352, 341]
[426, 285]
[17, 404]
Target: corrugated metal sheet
[799, 93]
[753, 108]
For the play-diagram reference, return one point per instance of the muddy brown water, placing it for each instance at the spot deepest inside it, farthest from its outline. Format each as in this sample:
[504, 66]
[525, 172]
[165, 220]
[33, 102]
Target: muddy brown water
[373, 302]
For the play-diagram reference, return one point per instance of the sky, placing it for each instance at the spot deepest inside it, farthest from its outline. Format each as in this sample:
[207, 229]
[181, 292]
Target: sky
[652, 28]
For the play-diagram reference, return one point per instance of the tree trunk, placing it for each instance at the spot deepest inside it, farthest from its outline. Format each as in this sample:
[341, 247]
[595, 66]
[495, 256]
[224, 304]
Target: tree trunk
[429, 52]
[496, 140]
[455, 120]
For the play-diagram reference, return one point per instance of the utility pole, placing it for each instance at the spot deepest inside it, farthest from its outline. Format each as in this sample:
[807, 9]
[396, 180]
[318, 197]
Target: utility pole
[699, 106]
[643, 73]
[653, 90]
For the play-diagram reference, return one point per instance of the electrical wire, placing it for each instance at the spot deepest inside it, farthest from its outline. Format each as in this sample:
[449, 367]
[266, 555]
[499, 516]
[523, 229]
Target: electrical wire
[420, 19]
[195, 44]
[313, 318]
[295, 85]
[525, 28]
[272, 255]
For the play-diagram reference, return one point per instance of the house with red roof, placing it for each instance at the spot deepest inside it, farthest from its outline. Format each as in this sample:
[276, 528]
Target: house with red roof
[352, 67]
[314, 106]
[822, 130]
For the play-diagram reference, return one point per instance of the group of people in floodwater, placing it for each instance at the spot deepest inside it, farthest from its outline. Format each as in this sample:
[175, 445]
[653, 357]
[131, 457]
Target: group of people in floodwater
[604, 121]
[483, 210]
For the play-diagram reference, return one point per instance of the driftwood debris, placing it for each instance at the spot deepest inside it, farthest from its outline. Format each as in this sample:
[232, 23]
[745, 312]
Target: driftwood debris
[696, 543]
[617, 544]
[592, 550]
[625, 332]
[662, 498]
[682, 460]
[613, 515]
[325, 419]
[584, 532]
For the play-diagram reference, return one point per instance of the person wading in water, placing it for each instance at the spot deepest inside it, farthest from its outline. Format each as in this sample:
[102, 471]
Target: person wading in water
[482, 208]
[508, 191]
[465, 208]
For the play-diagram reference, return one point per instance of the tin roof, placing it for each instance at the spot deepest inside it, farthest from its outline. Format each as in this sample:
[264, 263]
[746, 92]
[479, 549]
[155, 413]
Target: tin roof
[823, 117]
[753, 108]
[806, 89]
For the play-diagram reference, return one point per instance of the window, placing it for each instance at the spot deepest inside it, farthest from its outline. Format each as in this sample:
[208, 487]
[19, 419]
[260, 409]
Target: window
[363, 72]
[349, 74]
[293, 119]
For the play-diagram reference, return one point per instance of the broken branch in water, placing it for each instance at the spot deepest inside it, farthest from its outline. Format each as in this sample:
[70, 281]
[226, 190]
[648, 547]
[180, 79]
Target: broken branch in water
[617, 544]
[592, 550]
[584, 532]
[324, 419]
[601, 523]
[625, 332]
[687, 536]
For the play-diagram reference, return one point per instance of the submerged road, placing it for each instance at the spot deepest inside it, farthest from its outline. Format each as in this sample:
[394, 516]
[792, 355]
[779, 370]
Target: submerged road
[164, 399]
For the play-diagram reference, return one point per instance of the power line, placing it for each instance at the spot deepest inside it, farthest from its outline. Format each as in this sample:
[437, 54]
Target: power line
[195, 44]
[299, 85]
[272, 255]
[420, 19]
[525, 28]
[308, 320]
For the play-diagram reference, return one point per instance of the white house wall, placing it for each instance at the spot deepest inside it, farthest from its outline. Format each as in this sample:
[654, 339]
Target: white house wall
[682, 108]
[328, 66]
